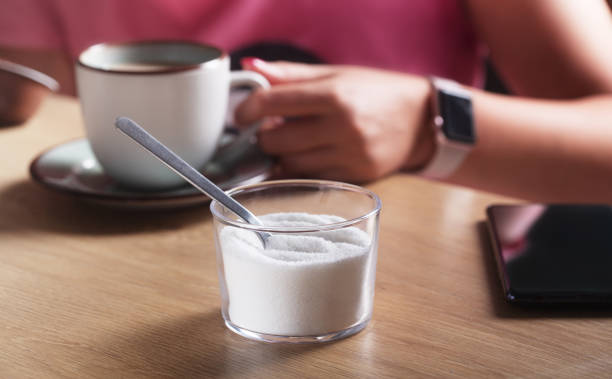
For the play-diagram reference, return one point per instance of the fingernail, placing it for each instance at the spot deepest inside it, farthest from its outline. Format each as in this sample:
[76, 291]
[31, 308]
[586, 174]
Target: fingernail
[270, 70]
[251, 62]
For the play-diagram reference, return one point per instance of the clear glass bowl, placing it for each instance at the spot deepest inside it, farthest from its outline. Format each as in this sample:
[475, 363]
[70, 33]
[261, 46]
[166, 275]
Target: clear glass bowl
[314, 281]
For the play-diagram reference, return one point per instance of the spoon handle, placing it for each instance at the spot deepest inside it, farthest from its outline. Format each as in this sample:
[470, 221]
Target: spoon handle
[178, 165]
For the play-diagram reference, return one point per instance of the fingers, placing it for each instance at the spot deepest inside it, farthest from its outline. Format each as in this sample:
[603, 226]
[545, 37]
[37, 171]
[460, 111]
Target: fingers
[286, 72]
[297, 135]
[310, 162]
[298, 90]
[340, 174]
[325, 163]
[287, 100]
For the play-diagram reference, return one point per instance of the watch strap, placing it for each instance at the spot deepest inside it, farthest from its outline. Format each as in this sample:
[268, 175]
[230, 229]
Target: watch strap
[445, 161]
[449, 155]
[449, 86]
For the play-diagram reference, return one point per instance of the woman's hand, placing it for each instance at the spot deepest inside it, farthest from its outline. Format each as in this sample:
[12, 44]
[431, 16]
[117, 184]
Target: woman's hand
[339, 122]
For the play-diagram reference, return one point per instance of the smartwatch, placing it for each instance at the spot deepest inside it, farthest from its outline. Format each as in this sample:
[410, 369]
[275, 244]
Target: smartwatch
[453, 124]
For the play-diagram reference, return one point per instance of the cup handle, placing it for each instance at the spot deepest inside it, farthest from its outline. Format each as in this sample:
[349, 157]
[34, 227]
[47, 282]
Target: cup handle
[242, 79]
[253, 80]
[248, 79]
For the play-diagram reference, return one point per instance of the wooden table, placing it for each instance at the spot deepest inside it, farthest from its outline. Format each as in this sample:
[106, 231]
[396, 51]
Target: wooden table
[87, 291]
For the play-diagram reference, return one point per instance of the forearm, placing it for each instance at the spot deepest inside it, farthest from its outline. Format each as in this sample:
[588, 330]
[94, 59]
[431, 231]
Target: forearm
[550, 151]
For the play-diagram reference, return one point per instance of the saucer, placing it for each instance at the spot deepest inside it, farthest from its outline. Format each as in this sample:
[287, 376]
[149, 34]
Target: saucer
[72, 168]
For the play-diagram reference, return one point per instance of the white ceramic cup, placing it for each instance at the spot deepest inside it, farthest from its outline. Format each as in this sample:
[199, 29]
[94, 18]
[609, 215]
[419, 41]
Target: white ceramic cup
[178, 91]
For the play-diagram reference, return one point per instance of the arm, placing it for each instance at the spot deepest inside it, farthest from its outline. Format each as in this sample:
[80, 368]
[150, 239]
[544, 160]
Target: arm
[552, 151]
[359, 124]
[555, 150]
[548, 48]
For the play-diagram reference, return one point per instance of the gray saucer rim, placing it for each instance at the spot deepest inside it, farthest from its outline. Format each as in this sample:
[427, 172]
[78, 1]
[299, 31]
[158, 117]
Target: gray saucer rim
[136, 199]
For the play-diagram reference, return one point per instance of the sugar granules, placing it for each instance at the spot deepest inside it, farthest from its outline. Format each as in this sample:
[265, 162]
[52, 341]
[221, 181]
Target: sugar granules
[300, 285]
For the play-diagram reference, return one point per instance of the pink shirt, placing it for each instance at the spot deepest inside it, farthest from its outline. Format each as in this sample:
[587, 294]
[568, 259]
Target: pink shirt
[427, 37]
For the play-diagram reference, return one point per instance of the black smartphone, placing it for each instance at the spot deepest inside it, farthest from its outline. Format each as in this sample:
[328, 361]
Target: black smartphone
[553, 253]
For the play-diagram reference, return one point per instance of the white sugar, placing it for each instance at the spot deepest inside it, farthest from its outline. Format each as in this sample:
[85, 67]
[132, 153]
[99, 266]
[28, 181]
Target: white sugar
[300, 284]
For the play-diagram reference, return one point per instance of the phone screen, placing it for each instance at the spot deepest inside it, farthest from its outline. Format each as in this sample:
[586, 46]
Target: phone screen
[553, 253]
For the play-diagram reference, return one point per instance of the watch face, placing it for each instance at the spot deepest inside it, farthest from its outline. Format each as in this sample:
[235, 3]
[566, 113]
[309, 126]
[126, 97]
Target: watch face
[456, 111]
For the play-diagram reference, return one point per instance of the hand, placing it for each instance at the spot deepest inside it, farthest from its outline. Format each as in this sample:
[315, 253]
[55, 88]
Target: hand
[340, 122]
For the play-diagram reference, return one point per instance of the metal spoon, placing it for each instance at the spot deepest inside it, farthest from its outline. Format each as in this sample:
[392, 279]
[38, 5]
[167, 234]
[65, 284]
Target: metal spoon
[187, 172]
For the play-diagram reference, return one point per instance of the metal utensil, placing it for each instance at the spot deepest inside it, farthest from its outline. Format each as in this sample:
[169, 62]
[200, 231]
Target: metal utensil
[30, 73]
[187, 172]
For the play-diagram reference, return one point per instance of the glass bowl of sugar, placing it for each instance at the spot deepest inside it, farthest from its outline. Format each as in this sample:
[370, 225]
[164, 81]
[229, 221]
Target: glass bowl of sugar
[314, 280]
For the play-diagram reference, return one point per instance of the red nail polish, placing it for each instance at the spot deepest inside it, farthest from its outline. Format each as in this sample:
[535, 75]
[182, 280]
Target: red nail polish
[250, 62]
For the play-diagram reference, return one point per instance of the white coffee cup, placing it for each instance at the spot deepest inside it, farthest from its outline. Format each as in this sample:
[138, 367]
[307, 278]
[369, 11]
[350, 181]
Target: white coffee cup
[178, 91]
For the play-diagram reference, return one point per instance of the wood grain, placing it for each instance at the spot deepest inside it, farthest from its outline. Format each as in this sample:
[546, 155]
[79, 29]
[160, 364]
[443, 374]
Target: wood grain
[90, 292]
